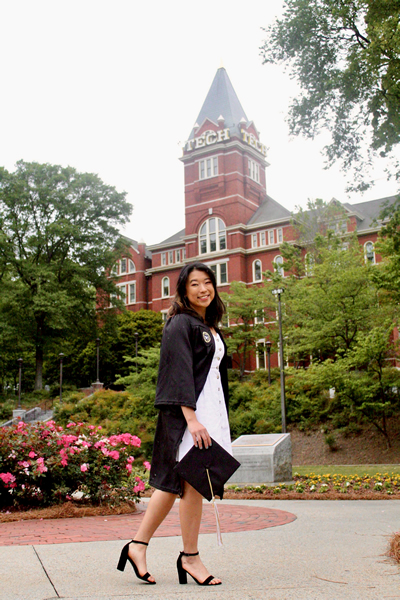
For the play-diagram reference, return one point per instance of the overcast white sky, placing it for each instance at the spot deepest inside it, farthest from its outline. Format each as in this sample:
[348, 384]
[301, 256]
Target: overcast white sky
[115, 87]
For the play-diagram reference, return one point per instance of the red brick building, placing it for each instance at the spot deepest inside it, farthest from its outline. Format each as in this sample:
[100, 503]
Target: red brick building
[231, 223]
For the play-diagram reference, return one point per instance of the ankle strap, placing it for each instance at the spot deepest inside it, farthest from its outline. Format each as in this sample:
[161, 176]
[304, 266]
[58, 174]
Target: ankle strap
[188, 554]
[137, 542]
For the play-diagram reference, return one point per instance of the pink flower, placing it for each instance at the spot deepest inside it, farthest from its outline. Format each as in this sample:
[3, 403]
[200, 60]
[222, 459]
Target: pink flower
[139, 487]
[84, 467]
[32, 454]
[114, 454]
[130, 459]
[129, 467]
[7, 478]
[147, 465]
[24, 463]
[107, 467]
[72, 424]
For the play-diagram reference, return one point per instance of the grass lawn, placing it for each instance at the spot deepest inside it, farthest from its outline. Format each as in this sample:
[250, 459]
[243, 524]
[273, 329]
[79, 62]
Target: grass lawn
[359, 470]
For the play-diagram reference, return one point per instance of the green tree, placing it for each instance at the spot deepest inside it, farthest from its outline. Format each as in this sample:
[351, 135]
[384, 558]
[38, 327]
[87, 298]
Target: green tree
[345, 55]
[246, 321]
[58, 237]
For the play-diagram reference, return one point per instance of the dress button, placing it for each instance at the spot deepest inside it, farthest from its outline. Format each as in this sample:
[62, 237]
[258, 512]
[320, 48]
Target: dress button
[217, 376]
[218, 358]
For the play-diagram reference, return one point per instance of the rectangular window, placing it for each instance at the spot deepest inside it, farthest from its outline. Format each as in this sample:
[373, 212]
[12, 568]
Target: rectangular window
[262, 235]
[164, 314]
[260, 356]
[258, 316]
[178, 256]
[254, 171]
[123, 265]
[183, 253]
[163, 258]
[170, 258]
[122, 293]
[132, 293]
[271, 237]
[208, 167]
[221, 272]
[280, 236]
[254, 240]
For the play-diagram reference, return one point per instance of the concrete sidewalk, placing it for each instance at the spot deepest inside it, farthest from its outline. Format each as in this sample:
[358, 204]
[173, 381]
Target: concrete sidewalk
[332, 550]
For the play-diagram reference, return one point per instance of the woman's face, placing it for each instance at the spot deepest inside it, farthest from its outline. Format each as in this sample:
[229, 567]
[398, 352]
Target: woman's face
[199, 291]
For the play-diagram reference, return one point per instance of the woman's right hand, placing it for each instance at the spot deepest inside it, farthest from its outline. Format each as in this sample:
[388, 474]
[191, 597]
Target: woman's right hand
[200, 435]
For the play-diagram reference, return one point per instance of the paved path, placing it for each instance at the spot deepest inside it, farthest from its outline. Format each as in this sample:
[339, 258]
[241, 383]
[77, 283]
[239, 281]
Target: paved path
[332, 550]
[119, 527]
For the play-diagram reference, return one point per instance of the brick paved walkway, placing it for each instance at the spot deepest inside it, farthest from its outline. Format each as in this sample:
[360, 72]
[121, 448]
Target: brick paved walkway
[121, 527]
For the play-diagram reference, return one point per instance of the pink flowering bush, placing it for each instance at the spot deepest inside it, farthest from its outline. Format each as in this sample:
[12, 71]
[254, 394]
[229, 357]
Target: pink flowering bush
[45, 463]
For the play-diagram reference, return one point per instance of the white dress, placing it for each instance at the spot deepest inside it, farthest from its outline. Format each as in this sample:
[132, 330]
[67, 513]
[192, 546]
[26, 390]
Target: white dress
[211, 408]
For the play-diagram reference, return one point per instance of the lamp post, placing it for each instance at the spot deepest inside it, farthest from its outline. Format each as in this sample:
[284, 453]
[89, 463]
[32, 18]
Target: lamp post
[19, 361]
[136, 334]
[278, 292]
[97, 360]
[268, 345]
[61, 355]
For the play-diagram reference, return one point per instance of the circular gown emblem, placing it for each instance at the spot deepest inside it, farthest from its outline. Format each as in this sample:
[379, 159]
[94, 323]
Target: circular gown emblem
[206, 337]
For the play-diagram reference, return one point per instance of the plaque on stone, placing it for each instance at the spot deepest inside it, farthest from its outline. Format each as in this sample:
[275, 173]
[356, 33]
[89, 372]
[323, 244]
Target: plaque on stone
[264, 458]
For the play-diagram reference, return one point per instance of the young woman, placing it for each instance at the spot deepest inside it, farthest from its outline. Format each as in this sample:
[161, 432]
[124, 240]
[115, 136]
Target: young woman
[192, 395]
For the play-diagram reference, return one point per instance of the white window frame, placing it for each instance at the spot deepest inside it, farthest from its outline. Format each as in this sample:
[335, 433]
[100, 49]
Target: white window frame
[163, 259]
[367, 260]
[164, 315]
[258, 367]
[122, 287]
[208, 167]
[178, 255]
[123, 268]
[254, 170]
[254, 240]
[279, 235]
[271, 233]
[262, 238]
[254, 270]
[259, 319]
[131, 266]
[279, 270]
[131, 284]
[218, 268]
[207, 235]
[163, 294]
[170, 257]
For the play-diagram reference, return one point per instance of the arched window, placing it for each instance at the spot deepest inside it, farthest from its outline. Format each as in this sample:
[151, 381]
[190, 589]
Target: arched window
[212, 236]
[165, 287]
[369, 253]
[131, 266]
[279, 265]
[257, 270]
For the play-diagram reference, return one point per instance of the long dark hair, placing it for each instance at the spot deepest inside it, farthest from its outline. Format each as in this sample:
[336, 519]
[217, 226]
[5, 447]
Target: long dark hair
[180, 304]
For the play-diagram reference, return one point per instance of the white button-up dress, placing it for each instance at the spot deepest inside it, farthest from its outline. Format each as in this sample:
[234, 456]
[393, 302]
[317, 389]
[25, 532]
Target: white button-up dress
[211, 408]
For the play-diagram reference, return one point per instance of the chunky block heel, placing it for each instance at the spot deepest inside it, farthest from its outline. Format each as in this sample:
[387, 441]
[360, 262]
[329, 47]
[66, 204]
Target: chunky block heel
[125, 557]
[182, 573]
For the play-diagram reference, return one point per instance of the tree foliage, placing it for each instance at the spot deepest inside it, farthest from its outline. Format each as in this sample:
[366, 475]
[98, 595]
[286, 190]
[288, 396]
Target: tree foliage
[244, 305]
[58, 236]
[345, 55]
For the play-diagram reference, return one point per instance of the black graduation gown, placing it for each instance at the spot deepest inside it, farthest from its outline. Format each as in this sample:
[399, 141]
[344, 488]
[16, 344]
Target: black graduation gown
[187, 350]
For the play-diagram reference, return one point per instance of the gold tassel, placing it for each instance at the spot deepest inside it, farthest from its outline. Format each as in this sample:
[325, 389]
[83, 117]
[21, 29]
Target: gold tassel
[219, 534]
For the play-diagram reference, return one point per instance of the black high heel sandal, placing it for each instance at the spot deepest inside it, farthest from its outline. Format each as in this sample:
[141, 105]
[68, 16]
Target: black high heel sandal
[125, 556]
[182, 573]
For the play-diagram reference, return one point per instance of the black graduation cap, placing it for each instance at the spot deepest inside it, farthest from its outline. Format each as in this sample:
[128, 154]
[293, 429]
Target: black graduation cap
[207, 469]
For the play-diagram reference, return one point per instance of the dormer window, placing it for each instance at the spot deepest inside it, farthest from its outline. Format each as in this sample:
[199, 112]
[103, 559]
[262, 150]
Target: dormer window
[208, 167]
[212, 237]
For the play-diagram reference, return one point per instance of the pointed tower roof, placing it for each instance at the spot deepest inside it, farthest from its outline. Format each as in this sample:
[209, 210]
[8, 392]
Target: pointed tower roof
[221, 100]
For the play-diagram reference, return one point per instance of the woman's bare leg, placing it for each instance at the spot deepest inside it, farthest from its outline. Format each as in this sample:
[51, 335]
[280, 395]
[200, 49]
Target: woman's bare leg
[157, 509]
[190, 511]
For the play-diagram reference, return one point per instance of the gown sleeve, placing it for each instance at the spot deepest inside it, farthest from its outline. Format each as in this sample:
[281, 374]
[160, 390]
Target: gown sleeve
[175, 384]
